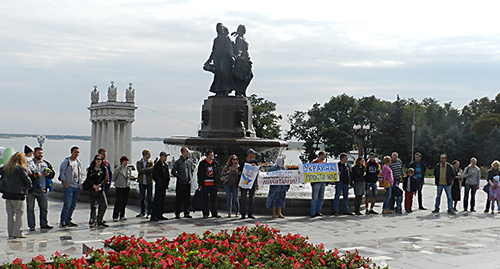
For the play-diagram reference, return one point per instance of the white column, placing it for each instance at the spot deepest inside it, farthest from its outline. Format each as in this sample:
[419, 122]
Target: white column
[111, 143]
[128, 139]
[98, 139]
[122, 139]
[93, 136]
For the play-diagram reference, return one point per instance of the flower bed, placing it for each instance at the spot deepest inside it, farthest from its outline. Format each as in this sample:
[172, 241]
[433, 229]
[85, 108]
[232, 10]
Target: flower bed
[257, 247]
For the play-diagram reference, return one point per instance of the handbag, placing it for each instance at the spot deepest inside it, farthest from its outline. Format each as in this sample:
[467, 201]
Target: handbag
[387, 184]
[486, 188]
[197, 201]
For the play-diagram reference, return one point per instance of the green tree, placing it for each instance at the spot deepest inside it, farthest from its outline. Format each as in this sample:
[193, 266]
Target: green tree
[339, 119]
[308, 127]
[426, 145]
[491, 147]
[394, 130]
[265, 121]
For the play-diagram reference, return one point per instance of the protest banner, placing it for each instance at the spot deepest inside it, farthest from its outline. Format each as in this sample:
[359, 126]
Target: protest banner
[319, 172]
[248, 176]
[280, 177]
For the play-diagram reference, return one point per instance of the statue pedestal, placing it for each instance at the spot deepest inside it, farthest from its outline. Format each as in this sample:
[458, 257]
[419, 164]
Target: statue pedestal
[226, 117]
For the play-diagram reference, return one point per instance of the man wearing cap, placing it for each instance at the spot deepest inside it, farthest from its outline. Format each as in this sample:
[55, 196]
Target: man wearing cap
[251, 192]
[183, 172]
[161, 177]
[208, 175]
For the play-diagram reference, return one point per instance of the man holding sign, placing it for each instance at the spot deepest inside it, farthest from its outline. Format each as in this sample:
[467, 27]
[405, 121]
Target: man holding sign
[318, 190]
[247, 184]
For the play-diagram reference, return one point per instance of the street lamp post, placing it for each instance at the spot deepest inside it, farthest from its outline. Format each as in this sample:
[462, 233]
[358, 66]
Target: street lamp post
[41, 140]
[361, 133]
[413, 128]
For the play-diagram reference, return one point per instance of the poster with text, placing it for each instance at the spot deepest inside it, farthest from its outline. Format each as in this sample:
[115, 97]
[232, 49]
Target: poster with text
[319, 172]
[280, 177]
[248, 176]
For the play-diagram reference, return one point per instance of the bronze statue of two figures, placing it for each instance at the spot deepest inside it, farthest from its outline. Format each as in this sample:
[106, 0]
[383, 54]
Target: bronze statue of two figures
[230, 62]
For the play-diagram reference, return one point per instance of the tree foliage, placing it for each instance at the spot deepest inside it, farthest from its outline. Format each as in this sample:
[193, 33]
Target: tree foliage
[265, 121]
[463, 133]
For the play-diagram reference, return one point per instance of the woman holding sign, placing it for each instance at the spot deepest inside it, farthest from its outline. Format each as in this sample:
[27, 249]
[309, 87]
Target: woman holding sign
[277, 193]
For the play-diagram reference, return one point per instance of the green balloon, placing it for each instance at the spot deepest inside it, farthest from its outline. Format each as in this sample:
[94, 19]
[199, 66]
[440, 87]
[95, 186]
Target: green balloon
[7, 153]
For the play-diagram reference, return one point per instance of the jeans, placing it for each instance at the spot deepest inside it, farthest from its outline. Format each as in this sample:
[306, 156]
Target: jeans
[209, 200]
[232, 198]
[182, 198]
[70, 197]
[420, 186]
[318, 194]
[120, 202]
[344, 190]
[30, 208]
[399, 201]
[388, 194]
[251, 202]
[146, 196]
[373, 186]
[97, 199]
[472, 189]
[447, 190]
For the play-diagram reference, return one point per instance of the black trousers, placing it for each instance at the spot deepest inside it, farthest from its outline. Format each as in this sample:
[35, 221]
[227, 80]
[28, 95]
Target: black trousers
[158, 202]
[120, 202]
[251, 201]
[209, 200]
[97, 200]
[182, 198]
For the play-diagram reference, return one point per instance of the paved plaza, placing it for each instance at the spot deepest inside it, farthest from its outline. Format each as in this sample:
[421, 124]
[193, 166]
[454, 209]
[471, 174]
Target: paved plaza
[417, 240]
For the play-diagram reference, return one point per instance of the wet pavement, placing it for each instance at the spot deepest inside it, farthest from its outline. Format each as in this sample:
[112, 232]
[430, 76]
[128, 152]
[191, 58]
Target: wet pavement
[417, 240]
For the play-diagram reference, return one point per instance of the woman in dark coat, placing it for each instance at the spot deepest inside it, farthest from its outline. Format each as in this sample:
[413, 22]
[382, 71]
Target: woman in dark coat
[14, 185]
[456, 184]
[94, 183]
[358, 178]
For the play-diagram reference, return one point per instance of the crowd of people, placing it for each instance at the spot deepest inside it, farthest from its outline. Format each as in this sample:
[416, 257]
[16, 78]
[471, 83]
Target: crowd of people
[29, 177]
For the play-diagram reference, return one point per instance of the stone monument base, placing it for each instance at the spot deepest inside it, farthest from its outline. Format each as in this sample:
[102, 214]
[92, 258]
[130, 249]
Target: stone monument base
[226, 117]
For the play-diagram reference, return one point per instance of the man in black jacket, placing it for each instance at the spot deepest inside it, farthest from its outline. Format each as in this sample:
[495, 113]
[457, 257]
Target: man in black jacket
[183, 171]
[443, 177]
[342, 186]
[208, 175]
[161, 177]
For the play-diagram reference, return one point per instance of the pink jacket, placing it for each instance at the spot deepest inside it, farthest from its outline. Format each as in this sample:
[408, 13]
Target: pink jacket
[387, 174]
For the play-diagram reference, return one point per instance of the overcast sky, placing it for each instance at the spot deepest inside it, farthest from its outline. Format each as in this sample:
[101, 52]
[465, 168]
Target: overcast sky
[52, 53]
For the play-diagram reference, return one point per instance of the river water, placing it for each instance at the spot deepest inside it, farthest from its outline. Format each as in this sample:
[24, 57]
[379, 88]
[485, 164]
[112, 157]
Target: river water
[56, 150]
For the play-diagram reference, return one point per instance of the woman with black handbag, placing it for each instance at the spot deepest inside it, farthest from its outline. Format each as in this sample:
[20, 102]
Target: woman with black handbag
[15, 184]
[94, 184]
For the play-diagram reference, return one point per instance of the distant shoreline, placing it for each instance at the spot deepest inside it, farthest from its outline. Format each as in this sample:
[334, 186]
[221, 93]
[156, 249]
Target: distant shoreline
[291, 145]
[71, 137]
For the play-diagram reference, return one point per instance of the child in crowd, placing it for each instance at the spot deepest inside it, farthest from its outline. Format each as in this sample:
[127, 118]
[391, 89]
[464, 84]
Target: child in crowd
[494, 193]
[410, 185]
[398, 197]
